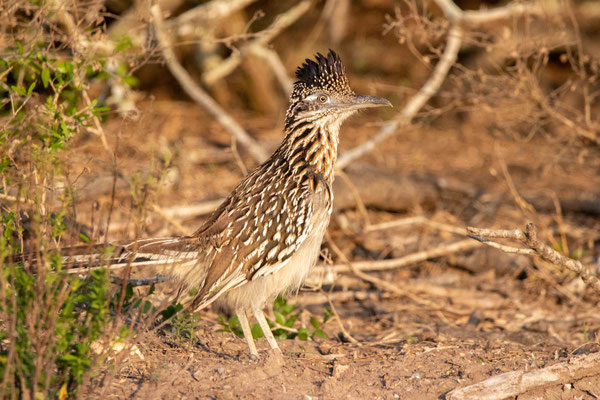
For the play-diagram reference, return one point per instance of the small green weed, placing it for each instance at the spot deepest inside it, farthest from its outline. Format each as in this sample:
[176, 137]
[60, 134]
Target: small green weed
[182, 327]
[54, 319]
[286, 316]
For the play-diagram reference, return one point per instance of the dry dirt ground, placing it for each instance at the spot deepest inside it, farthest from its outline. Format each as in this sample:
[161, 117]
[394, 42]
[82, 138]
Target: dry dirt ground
[453, 321]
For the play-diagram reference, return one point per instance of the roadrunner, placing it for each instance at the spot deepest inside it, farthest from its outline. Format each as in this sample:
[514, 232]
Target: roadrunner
[264, 238]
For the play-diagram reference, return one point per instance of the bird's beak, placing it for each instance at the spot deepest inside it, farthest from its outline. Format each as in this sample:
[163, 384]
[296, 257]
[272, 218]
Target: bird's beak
[359, 101]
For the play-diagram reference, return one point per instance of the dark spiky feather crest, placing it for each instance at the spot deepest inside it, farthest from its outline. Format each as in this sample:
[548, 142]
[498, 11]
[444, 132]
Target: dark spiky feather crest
[325, 73]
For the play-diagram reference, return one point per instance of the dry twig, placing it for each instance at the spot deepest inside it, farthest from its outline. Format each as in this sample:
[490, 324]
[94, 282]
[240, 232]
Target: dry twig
[199, 95]
[529, 239]
[273, 60]
[281, 22]
[340, 322]
[382, 265]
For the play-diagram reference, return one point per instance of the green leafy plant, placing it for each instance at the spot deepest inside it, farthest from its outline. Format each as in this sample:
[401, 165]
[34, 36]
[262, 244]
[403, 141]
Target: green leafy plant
[286, 316]
[54, 319]
[232, 324]
[181, 326]
[50, 320]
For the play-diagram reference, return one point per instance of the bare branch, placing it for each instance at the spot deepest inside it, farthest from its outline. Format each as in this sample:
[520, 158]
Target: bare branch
[281, 22]
[381, 265]
[450, 10]
[273, 60]
[529, 239]
[459, 20]
[455, 37]
[511, 10]
[199, 95]
[503, 247]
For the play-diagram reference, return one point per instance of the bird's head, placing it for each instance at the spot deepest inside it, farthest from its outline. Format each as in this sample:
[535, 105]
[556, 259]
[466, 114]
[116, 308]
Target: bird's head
[322, 93]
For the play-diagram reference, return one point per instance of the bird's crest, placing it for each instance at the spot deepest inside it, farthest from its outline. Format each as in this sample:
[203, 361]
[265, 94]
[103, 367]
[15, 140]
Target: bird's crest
[324, 73]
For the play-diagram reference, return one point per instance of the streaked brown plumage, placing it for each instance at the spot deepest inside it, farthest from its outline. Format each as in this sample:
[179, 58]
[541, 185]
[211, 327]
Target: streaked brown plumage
[264, 238]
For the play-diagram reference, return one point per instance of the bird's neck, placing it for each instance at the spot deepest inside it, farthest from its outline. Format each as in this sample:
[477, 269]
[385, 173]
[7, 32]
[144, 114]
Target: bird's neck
[311, 144]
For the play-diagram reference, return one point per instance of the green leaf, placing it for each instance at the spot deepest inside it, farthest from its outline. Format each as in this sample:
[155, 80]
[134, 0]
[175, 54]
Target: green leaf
[257, 331]
[327, 314]
[18, 89]
[65, 67]
[125, 331]
[171, 310]
[234, 321]
[320, 333]
[131, 81]
[136, 303]
[30, 89]
[45, 77]
[124, 43]
[315, 323]
[279, 318]
[147, 307]
[290, 321]
[303, 334]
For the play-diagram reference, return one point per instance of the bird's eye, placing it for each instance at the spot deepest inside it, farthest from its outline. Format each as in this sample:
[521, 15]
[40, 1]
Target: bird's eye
[322, 98]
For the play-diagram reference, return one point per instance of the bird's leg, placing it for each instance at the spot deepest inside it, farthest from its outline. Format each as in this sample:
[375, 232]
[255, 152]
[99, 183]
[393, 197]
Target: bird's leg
[262, 321]
[241, 314]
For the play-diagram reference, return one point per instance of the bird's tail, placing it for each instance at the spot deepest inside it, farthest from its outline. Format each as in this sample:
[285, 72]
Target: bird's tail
[179, 260]
[171, 256]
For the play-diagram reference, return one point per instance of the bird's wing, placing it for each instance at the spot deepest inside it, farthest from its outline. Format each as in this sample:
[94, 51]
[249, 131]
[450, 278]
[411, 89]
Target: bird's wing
[260, 229]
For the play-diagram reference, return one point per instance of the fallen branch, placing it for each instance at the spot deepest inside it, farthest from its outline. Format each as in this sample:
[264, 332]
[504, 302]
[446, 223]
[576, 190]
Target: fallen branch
[529, 239]
[382, 265]
[512, 384]
[199, 95]
[459, 19]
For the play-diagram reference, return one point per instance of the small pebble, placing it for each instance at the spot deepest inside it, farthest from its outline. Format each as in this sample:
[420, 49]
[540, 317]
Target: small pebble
[416, 375]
